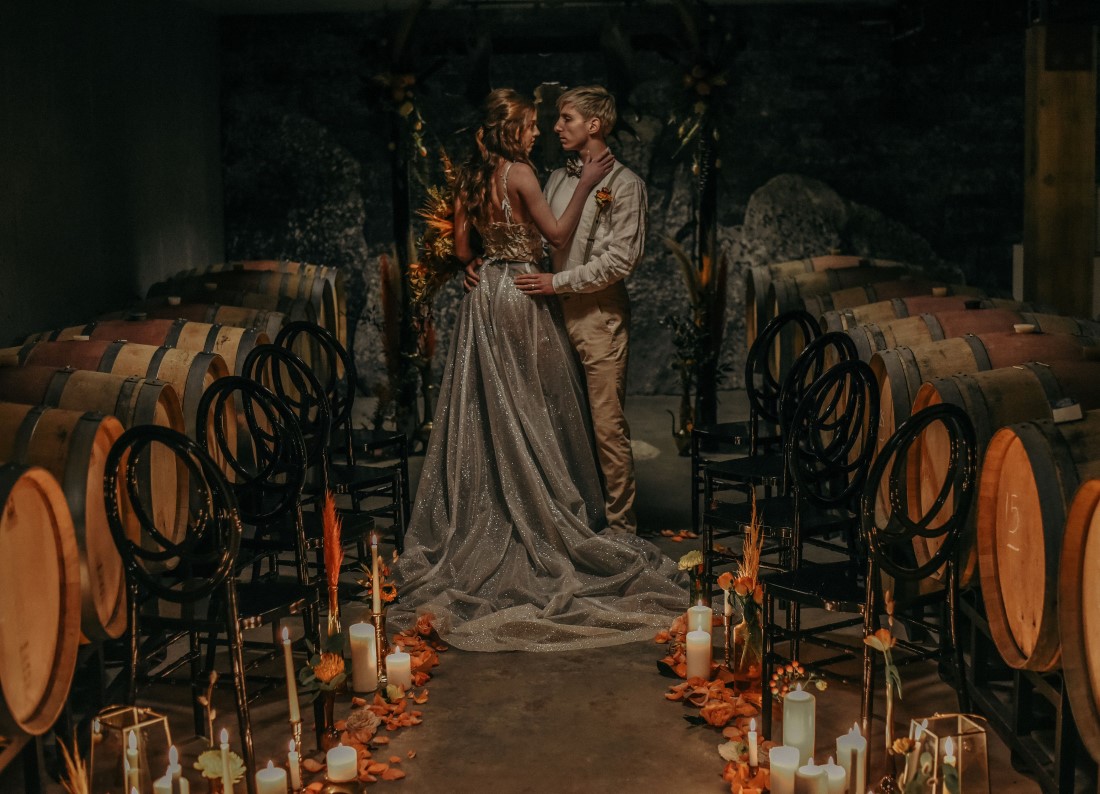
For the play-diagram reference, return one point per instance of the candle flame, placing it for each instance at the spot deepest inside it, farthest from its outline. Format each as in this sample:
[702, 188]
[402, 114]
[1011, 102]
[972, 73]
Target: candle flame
[293, 746]
[798, 687]
[830, 761]
[270, 764]
[286, 634]
[173, 755]
[132, 741]
[855, 729]
[948, 747]
[225, 736]
[752, 725]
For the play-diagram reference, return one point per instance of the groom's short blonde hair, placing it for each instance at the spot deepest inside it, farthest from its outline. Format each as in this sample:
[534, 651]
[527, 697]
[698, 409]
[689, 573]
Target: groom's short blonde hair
[592, 101]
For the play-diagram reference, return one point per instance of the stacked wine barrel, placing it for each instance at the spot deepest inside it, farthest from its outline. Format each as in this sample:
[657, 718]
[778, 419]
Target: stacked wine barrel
[66, 395]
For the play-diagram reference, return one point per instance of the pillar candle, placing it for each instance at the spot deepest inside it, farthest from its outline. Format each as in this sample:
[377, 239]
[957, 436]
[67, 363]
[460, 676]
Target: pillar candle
[295, 765]
[375, 579]
[754, 751]
[811, 779]
[291, 681]
[399, 669]
[798, 722]
[342, 764]
[163, 785]
[227, 777]
[836, 777]
[364, 660]
[700, 618]
[698, 654]
[173, 781]
[784, 767]
[133, 770]
[851, 752]
[271, 780]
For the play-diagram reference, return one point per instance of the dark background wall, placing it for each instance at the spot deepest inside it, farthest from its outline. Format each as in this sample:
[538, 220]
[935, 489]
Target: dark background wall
[895, 131]
[110, 161]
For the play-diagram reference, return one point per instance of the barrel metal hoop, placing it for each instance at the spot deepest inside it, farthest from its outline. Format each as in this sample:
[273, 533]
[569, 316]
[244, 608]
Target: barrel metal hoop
[910, 381]
[107, 361]
[86, 330]
[125, 394]
[23, 434]
[935, 330]
[871, 293]
[173, 335]
[211, 339]
[56, 387]
[1047, 380]
[75, 484]
[981, 355]
[901, 308]
[25, 351]
[154, 361]
[970, 394]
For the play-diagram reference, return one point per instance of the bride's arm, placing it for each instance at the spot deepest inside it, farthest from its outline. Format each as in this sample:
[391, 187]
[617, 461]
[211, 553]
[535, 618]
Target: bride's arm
[558, 231]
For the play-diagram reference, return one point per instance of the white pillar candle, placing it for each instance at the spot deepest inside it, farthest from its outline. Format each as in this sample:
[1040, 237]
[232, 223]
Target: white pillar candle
[698, 654]
[811, 779]
[798, 722]
[295, 765]
[291, 680]
[784, 767]
[375, 578]
[342, 764]
[754, 751]
[399, 669]
[700, 618]
[133, 770]
[271, 780]
[163, 785]
[836, 777]
[227, 777]
[364, 660]
[851, 752]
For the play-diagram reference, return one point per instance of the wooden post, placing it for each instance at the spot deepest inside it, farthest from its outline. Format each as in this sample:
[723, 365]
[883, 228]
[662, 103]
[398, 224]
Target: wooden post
[1060, 165]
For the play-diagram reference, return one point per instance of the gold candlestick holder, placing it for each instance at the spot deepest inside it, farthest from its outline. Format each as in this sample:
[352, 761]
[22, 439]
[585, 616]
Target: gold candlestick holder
[381, 646]
[726, 630]
[296, 734]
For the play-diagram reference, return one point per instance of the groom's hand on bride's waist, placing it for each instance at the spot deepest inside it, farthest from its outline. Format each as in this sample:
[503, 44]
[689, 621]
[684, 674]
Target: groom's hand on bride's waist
[535, 283]
[472, 278]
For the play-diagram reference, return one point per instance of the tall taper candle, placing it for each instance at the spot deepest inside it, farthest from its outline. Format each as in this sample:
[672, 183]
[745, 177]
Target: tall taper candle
[227, 776]
[291, 680]
[375, 578]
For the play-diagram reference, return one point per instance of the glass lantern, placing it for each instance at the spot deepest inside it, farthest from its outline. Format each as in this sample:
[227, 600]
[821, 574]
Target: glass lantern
[955, 745]
[129, 749]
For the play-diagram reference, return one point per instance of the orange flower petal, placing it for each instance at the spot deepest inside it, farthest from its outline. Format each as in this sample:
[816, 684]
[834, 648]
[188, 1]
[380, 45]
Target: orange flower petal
[393, 774]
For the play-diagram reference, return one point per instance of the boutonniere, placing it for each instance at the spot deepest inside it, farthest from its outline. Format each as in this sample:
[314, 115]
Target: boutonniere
[603, 198]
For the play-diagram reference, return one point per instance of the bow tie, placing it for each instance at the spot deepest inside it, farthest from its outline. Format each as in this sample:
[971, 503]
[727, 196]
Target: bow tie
[573, 167]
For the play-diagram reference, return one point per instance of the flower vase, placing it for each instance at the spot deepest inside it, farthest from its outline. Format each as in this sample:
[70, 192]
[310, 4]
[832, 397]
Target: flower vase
[748, 645]
[328, 736]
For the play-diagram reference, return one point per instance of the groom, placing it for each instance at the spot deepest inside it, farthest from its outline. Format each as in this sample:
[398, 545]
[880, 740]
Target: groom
[588, 276]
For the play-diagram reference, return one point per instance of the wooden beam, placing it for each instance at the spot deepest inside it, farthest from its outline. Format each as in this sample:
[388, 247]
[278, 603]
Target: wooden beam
[1060, 166]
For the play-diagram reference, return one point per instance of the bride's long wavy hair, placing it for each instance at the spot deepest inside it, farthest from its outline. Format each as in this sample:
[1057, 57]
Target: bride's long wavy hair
[499, 137]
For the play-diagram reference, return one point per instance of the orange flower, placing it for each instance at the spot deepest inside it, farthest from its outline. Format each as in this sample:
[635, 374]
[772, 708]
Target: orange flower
[603, 197]
[881, 640]
[330, 666]
[389, 592]
[717, 712]
[725, 580]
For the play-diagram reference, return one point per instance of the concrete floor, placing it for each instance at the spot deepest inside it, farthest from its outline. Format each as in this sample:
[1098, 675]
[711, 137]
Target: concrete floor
[592, 721]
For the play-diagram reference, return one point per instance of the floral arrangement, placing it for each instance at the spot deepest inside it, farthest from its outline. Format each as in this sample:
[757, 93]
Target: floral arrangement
[883, 640]
[388, 592]
[787, 675]
[438, 263]
[332, 540]
[603, 198]
[745, 588]
[324, 671]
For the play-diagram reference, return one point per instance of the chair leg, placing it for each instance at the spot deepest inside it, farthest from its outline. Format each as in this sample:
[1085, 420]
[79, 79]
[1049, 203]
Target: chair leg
[135, 638]
[956, 644]
[244, 720]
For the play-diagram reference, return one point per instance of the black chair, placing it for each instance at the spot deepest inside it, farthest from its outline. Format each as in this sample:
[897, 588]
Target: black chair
[357, 456]
[760, 432]
[723, 517]
[194, 571]
[887, 508]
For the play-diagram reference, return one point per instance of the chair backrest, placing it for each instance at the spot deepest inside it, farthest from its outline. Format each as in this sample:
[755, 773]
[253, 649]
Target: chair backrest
[820, 354]
[891, 537]
[269, 484]
[332, 365]
[177, 566]
[294, 383]
[763, 378]
[832, 436]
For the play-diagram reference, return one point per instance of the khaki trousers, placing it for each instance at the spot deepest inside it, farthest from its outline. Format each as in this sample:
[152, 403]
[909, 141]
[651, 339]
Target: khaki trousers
[598, 327]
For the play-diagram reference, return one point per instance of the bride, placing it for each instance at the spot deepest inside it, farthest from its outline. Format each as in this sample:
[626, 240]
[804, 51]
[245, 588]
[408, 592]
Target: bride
[502, 545]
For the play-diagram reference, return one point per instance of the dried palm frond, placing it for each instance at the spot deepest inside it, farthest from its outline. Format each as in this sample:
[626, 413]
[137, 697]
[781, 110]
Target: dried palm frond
[334, 547]
[76, 770]
[749, 565]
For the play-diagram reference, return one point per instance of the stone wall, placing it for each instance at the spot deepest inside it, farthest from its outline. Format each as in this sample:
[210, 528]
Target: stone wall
[850, 127]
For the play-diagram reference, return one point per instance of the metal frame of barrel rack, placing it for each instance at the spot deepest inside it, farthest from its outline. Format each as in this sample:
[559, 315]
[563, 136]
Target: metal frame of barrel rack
[1030, 711]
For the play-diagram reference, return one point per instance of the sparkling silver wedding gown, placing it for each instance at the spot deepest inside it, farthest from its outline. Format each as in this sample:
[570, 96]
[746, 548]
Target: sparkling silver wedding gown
[500, 546]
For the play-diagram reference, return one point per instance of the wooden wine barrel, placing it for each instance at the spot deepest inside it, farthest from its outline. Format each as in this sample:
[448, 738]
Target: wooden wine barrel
[758, 279]
[190, 373]
[331, 274]
[131, 400]
[1030, 475]
[232, 344]
[295, 309]
[991, 399]
[902, 370]
[268, 321]
[911, 306]
[39, 600]
[313, 288]
[73, 447]
[1078, 601]
[790, 292]
[872, 337]
[861, 295]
